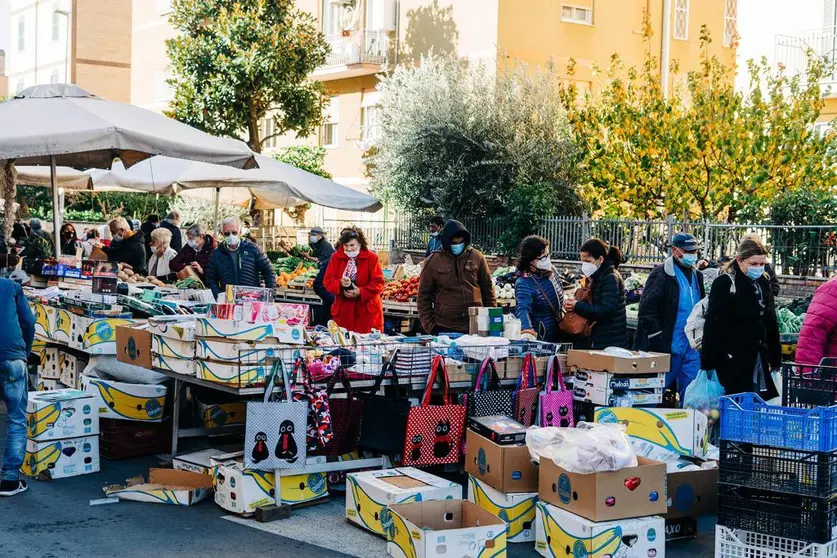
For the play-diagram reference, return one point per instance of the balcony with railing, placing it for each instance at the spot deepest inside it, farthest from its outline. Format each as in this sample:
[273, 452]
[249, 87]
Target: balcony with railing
[357, 53]
[794, 52]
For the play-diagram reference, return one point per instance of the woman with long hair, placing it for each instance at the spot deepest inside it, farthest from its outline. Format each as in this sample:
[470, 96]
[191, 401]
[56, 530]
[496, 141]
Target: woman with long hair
[538, 291]
[606, 308]
[355, 278]
[741, 333]
[69, 240]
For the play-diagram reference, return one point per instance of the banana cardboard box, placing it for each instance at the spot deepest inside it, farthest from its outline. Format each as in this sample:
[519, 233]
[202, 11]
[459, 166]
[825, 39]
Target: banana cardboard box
[165, 486]
[187, 367]
[610, 381]
[198, 462]
[59, 459]
[623, 362]
[370, 493]
[518, 510]
[559, 533]
[445, 529]
[58, 414]
[70, 369]
[49, 367]
[42, 327]
[240, 490]
[178, 328]
[121, 400]
[38, 346]
[222, 414]
[60, 324]
[607, 396]
[507, 468]
[97, 336]
[166, 347]
[276, 331]
[248, 352]
[48, 385]
[680, 431]
[237, 374]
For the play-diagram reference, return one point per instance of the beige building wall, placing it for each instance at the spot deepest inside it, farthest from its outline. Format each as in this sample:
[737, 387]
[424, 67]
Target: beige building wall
[150, 63]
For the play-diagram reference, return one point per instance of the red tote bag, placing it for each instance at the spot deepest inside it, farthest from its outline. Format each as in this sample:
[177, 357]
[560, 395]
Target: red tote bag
[526, 396]
[434, 432]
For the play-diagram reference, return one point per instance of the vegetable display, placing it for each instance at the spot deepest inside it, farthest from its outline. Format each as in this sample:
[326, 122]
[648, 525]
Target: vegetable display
[404, 290]
[190, 283]
[788, 321]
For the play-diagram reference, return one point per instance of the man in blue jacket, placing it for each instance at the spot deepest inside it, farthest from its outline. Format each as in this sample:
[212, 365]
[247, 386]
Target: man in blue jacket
[435, 243]
[15, 346]
[238, 261]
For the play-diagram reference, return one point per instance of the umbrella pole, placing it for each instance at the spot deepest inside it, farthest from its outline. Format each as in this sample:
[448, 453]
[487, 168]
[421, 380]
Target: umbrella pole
[217, 200]
[56, 209]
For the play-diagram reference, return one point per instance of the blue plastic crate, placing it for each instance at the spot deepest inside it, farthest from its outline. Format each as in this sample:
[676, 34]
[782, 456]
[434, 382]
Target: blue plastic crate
[746, 418]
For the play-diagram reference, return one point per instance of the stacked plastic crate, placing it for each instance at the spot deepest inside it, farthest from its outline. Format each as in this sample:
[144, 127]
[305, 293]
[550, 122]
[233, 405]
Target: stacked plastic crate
[777, 490]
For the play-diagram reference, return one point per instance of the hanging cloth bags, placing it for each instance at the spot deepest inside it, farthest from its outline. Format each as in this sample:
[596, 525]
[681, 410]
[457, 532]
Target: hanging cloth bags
[528, 390]
[488, 397]
[319, 415]
[384, 423]
[556, 401]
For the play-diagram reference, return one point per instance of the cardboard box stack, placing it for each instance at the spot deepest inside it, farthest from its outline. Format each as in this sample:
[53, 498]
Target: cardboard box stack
[62, 434]
[171, 344]
[486, 322]
[616, 380]
[59, 369]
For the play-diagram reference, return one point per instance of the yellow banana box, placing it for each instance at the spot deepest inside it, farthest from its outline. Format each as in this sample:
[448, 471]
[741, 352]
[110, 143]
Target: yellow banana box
[237, 374]
[559, 533]
[121, 400]
[183, 366]
[240, 490]
[370, 493]
[38, 346]
[70, 368]
[238, 351]
[222, 414]
[50, 362]
[198, 462]
[178, 328]
[445, 529]
[517, 510]
[62, 458]
[59, 414]
[42, 327]
[275, 331]
[663, 431]
[60, 324]
[165, 486]
[166, 347]
[97, 336]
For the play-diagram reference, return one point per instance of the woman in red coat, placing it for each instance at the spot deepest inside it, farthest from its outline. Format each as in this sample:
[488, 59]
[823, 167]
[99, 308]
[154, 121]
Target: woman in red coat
[355, 278]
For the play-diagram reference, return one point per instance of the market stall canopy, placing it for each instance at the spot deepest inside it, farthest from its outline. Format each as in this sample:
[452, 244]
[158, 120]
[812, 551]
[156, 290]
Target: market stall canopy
[79, 129]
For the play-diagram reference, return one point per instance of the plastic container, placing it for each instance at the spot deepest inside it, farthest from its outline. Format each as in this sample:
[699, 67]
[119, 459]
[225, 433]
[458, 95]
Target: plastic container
[790, 471]
[736, 543]
[746, 418]
[122, 439]
[802, 518]
[806, 386]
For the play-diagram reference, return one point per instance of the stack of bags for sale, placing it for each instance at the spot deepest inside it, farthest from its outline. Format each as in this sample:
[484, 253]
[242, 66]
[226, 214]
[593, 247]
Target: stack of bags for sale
[62, 434]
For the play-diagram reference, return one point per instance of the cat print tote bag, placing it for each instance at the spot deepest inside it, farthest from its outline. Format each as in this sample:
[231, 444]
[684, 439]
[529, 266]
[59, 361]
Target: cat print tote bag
[556, 400]
[528, 391]
[434, 432]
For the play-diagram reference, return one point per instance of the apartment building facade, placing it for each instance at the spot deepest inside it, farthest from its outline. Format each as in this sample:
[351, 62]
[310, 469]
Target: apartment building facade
[87, 42]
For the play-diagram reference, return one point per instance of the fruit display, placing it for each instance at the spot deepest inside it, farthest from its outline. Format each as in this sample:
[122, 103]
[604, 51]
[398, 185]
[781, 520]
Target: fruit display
[404, 290]
[506, 292]
[303, 275]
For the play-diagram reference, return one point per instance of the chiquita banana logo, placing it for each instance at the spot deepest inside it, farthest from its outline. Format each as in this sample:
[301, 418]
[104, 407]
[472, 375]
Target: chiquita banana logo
[34, 463]
[130, 406]
[244, 377]
[516, 516]
[303, 488]
[644, 426]
[603, 544]
[369, 511]
[44, 419]
[101, 331]
[401, 536]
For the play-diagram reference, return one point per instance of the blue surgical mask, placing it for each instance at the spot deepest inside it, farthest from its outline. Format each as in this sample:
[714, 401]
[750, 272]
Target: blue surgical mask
[754, 272]
[457, 249]
[689, 260]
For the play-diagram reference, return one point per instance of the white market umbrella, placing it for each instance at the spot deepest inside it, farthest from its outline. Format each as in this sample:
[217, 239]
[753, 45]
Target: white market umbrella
[63, 124]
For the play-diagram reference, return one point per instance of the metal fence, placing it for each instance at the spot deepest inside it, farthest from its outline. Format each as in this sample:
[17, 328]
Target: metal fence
[809, 250]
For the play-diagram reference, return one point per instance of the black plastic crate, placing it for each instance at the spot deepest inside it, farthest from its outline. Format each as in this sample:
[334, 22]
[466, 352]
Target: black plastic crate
[123, 439]
[807, 386]
[807, 473]
[803, 518]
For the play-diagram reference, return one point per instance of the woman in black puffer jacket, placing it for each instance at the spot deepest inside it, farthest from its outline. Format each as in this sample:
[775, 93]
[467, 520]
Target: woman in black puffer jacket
[599, 264]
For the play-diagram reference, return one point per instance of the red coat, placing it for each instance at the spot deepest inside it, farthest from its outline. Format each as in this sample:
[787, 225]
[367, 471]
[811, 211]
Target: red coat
[818, 337]
[366, 312]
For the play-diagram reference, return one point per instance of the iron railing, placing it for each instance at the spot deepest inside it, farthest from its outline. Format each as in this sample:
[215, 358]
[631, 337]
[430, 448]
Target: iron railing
[794, 52]
[364, 46]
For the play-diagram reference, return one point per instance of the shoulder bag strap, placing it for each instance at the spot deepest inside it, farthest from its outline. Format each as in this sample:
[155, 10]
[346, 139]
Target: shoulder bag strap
[557, 315]
[431, 379]
[270, 381]
[555, 362]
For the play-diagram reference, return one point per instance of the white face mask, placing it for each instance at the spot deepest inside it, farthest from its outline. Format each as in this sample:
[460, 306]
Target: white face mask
[352, 253]
[588, 269]
[233, 241]
[193, 244]
[117, 237]
[544, 264]
[434, 234]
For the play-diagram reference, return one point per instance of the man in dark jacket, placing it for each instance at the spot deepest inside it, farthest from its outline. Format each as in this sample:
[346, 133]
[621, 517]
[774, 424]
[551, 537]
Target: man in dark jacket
[322, 314]
[237, 261]
[196, 253]
[15, 346]
[670, 294]
[172, 223]
[128, 246]
[321, 250]
[453, 280]
[151, 223]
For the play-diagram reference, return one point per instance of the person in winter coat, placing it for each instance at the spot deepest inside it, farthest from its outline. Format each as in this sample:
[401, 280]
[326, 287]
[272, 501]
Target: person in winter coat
[69, 240]
[196, 253]
[322, 314]
[453, 280]
[321, 250]
[172, 223]
[435, 243]
[237, 261]
[538, 291]
[355, 278]
[818, 336]
[671, 292]
[599, 264]
[161, 255]
[148, 227]
[741, 333]
[129, 246]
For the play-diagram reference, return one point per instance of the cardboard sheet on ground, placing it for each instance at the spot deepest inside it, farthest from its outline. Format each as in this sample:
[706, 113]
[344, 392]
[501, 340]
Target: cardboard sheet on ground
[164, 486]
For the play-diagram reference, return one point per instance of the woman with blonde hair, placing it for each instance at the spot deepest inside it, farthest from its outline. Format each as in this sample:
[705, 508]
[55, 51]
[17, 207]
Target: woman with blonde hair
[161, 254]
[741, 333]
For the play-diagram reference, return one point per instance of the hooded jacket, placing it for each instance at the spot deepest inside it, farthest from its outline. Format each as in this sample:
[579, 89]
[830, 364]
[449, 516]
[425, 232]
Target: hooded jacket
[188, 255]
[449, 284]
[253, 267]
[818, 337]
[130, 251]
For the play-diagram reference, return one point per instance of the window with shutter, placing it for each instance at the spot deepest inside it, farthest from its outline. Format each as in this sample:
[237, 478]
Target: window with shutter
[730, 22]
[681, 20]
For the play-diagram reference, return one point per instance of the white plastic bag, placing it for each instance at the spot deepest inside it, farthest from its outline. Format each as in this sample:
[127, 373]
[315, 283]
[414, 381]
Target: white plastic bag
[108, 368]
[588, 448]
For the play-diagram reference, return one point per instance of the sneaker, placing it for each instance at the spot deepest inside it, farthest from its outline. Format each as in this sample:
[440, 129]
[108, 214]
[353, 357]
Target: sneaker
[10, 488]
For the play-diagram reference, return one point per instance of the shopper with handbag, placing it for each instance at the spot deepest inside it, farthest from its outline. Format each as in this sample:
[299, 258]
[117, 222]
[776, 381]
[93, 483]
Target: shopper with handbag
[538, 291]
[602, 305]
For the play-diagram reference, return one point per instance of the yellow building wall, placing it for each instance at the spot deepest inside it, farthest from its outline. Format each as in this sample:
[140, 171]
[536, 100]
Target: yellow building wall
[829, 111]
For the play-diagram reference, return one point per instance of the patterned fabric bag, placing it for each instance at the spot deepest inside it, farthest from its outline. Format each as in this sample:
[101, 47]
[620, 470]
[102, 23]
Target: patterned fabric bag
[556, 402]
[528, 390]
[346, 415]
[319, 416]
[488, 397]
[434, 432]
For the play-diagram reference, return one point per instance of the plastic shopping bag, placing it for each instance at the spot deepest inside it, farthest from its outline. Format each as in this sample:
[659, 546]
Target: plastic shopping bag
[704, 395]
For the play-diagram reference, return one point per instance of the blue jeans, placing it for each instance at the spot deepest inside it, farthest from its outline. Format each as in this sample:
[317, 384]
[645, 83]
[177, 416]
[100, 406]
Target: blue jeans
[13, 389]
[684, 369]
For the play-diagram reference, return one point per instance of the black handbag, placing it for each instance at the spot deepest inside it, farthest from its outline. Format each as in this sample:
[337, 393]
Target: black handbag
[489, 398]
[384, 423]
[345, 416]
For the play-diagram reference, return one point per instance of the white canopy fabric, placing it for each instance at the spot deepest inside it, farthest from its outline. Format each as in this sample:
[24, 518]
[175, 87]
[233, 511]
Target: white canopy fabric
[82, 130]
